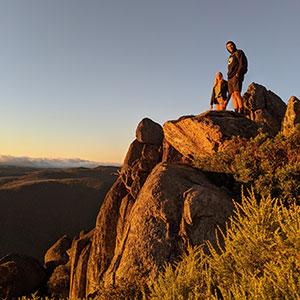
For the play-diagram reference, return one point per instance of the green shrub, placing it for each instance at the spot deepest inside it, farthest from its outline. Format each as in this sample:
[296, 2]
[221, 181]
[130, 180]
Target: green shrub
[260, 258]
[270, 165]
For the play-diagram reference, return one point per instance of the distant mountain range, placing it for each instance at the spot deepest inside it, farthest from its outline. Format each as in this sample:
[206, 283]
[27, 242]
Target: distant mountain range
[24, 161]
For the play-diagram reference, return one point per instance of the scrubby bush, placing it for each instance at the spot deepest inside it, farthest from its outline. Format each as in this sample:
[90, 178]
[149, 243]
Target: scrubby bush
[260, 258]
[123, 291]
[270, 165]
[188, 279]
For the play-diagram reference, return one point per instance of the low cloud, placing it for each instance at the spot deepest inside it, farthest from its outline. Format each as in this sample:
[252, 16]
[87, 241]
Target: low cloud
[25, 161]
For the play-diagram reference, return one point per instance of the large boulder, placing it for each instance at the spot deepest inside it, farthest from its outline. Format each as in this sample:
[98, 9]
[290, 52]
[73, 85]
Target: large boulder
[177, 206]
[20, 275]
[57, 254]
[140, 159]
[292, 116]
[264, 107]
[149, 132]
[199, 136]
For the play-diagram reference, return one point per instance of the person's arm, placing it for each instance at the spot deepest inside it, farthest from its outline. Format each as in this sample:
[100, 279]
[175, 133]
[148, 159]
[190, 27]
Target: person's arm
[243, 63]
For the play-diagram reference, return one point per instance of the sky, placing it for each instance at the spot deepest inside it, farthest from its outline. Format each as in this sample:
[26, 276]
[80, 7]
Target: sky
[77, 76]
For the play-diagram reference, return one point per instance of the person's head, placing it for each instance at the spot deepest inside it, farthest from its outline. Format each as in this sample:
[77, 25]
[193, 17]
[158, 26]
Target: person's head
[230, 46]
[218, 77]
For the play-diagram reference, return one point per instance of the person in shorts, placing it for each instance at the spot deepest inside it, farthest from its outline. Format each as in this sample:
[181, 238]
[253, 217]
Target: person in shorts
[219, 96]
[237, 68]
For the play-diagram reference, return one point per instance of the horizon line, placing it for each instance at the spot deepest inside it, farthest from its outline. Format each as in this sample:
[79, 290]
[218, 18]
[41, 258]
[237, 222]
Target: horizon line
[66, 162]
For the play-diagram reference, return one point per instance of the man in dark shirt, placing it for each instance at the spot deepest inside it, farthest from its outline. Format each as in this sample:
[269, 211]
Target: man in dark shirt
[237, 68]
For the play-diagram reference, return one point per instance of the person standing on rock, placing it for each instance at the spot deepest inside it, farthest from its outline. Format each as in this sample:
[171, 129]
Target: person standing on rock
[219, 95]
[237, 68]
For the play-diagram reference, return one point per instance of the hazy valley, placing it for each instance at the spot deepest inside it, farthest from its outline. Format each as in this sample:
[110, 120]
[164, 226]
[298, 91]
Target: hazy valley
[40, 205]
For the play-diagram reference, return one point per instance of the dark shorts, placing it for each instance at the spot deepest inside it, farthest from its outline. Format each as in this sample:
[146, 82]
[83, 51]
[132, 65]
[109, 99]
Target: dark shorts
[235, 84]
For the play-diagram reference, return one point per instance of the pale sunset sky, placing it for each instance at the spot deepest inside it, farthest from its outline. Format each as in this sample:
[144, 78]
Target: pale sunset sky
[76, 76]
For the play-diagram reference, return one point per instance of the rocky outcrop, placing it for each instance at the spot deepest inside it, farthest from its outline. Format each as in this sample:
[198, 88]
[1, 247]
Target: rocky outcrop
[139, 161]
[20, 275]
[264, 107]
[292, 116]
[57, 254]
[177, 206]
[159, 203]
[199, 136]
[143, 155]
[79, 255]
[149, 132]
[155, 209]
[104, 240]
[171, 155]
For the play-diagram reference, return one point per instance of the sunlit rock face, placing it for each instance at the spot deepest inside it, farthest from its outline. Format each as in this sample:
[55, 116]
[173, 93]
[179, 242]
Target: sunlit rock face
[264, 107]
[176, 206]
[134, 238]
[292, 116]
[203, 135]
[144, 153]
[79, 259]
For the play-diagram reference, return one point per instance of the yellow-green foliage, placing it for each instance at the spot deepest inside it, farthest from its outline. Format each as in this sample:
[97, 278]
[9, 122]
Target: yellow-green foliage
[260, 258]
[188, 279]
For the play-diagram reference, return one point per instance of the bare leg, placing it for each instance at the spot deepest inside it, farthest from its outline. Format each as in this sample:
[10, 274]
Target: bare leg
[237, 101]
[220, 104]
[240, 100]
[224, 105]
[234, 101]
